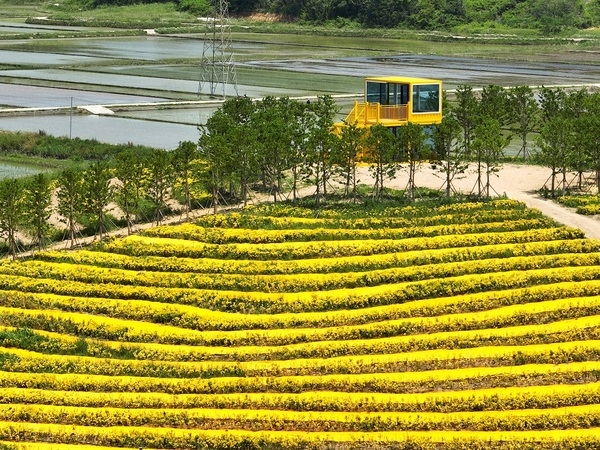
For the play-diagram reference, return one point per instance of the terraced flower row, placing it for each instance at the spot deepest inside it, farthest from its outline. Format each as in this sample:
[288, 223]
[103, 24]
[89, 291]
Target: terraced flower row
[393, 382]
[471, 325]
[235, 438]
[584, 204]
[511, 323]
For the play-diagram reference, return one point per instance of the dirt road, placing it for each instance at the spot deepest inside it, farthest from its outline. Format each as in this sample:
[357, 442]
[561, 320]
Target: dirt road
[518, 182]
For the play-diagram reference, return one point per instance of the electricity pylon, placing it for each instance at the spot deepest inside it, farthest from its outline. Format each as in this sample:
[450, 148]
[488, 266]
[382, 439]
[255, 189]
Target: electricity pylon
[217, 69]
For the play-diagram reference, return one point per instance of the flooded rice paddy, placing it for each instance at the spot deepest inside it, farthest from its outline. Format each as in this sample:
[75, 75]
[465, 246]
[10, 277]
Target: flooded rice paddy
[110, 129]
[8, 170]
[25, 96]
[65, 73]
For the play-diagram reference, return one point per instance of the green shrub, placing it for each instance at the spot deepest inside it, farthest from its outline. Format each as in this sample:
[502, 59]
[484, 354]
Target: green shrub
[198, 7]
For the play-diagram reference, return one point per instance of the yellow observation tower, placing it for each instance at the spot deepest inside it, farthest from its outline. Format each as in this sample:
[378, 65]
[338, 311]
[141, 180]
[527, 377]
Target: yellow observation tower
[396, 101]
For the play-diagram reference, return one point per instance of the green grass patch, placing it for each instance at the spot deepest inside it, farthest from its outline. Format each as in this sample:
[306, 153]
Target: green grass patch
[147, 15]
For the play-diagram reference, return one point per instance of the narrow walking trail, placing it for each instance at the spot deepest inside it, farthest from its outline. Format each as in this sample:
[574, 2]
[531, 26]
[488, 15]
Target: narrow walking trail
[517, 181]
[520, 182]
[589, 225]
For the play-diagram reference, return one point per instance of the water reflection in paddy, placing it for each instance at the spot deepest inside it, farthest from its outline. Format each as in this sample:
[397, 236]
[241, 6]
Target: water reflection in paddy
[16, 95]
[134, 82]
[146, 48]
[35, 28]
[16, 170]
[110, 129]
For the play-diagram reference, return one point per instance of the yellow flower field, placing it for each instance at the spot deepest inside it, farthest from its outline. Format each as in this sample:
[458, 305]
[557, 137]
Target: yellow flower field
[467, 325]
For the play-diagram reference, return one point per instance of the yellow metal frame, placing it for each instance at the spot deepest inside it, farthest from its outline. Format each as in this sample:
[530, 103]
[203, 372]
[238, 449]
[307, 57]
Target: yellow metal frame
[366, 114]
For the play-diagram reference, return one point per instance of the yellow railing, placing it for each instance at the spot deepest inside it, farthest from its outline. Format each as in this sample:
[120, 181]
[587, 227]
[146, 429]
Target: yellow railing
[365, 114]
[399, 112]
[371, 113]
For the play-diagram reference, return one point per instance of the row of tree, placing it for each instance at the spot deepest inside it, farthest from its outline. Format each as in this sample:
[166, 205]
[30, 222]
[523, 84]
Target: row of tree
[564, 124]
[248, 142]
[140, 181]
[280, 146]
[569, 137]
[547, 15]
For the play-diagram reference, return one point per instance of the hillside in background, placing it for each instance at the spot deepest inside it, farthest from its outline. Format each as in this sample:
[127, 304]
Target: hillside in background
[546, 15]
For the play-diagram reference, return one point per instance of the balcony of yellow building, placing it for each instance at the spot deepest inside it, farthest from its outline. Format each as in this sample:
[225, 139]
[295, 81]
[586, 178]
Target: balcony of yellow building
[395, 101]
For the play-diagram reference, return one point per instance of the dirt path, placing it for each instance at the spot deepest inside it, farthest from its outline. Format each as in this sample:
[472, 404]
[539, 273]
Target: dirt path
[589, 225]
[518, 182]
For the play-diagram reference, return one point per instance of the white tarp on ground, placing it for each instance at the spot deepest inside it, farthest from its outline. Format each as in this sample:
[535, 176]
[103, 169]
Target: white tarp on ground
[97, 109]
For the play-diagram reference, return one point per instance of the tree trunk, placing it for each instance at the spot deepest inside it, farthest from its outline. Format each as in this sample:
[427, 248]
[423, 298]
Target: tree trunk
[188, 202]
[487, 181]
[354, 183]
[318, 183]
[71, 225]
[411, 180]
[448, 190]
[348, 180]
[479, 182]
[12, 242]
[279, 188]
[294, 184]
[215, 191]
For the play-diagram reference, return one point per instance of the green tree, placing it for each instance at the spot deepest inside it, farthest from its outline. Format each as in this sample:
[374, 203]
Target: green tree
[575, 108]
[318, 10]
[38, 208]
[70, 200]
[495, 104]
[130, 170]
[216, 154]
[240, 136]
[592, 11]
[437, 14]
[552, 103]
[347, 154]
[447, 144]
[555, 146]
[381, 148]
[273, 122]
[303, 120]
[196, 7]
[488, 145]
[242, 7]
[97, 192]
[385, 13]
[524, 111]
[160, 181]
[466, 113]
[413, 142]
[183, 162]
[320, 144]
[554, 15]
[11, 212]
[290, 8]
[350, 152]
[588, 134]
[492, 109]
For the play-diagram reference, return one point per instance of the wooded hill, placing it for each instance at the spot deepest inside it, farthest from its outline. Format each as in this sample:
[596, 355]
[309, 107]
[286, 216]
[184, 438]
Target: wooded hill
[547, 15]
